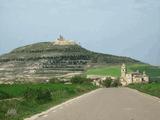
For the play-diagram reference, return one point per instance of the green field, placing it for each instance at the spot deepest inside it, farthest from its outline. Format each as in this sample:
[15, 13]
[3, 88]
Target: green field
[152, 71]
[25, 108]
[152, 88]
[106, 70]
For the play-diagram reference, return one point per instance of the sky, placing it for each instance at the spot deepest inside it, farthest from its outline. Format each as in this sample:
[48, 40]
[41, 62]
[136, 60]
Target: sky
[120, 27]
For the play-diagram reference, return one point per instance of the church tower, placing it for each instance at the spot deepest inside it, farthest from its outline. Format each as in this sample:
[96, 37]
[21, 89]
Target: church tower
[123, 71]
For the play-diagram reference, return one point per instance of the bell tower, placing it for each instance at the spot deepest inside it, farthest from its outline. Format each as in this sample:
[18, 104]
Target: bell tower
[123, 70]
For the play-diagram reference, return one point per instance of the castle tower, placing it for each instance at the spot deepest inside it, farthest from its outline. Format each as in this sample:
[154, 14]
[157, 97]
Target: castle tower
[123, 71]
[61, 38]
[62, 41]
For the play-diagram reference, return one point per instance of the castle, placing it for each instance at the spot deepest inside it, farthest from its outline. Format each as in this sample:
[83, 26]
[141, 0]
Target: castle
[62, 41]
[134, 77]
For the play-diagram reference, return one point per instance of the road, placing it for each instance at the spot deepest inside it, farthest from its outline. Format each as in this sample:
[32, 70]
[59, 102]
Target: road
[108, 104]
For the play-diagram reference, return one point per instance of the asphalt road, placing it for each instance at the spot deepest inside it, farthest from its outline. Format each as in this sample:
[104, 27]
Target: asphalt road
[108, 104]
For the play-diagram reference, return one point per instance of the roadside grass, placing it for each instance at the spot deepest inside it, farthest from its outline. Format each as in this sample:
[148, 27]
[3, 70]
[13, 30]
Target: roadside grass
[152, 71]
[18, 90]
[152, 88]
[25, 108]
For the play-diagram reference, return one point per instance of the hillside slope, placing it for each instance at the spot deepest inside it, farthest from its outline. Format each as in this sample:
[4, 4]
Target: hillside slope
[44, 60]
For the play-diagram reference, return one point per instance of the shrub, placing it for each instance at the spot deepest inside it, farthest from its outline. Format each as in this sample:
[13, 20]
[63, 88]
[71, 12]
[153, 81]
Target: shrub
[107, 83]
[4, 95]
[30, 94]
[44, 95]
[115, 83]
[40, 95]
[71, 90]
[79, 80]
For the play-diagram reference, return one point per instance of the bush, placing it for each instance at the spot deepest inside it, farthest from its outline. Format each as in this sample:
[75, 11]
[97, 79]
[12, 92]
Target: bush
[30, 94]
[40, 95]
[44, 95]
[107, 83]
[71, 91]
[111, 83]
[54, 80]
[115, 83]
[4, 95]
[79, 80]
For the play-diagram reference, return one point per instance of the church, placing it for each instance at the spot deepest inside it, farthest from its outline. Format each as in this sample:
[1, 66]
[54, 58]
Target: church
[134, 77]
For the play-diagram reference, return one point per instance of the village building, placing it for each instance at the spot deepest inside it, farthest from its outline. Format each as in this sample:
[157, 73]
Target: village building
[134, 77]
[99, 79]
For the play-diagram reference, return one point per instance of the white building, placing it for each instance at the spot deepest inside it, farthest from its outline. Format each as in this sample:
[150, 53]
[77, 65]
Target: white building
[62, 41]
[134, 77]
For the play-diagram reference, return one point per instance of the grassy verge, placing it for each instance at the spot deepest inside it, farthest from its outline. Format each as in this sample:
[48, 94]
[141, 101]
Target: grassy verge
[152, 88]
[19, 109]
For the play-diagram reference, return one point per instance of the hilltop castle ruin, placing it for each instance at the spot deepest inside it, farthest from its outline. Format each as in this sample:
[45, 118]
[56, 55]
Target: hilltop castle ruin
[62, 41]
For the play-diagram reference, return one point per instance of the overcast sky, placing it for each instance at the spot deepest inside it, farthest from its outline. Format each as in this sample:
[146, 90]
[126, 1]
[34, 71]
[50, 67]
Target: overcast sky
[120, 27]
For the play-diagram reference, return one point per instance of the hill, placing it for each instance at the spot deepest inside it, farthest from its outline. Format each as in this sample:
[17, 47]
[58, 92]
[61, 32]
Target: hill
[41, 61]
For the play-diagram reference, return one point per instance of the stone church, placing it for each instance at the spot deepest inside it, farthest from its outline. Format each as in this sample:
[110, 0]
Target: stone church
[134, 77]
